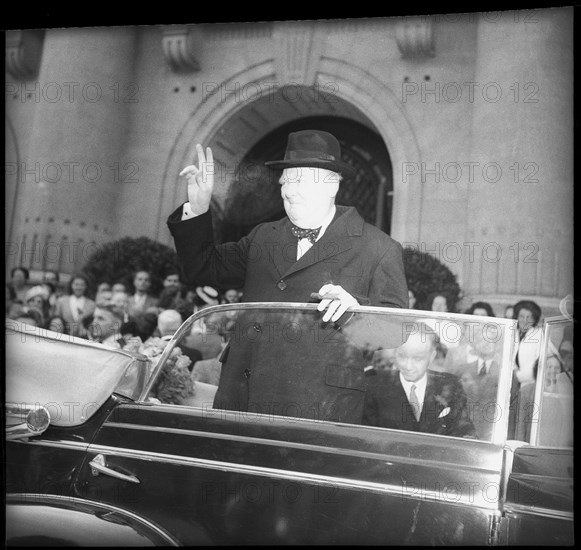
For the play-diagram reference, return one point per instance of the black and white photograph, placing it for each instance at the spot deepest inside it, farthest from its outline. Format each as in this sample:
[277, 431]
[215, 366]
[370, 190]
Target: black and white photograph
[299, 281]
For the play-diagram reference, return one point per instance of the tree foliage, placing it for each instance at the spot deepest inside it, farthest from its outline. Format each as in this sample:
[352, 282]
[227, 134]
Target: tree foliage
[117, 261]
[426, 274]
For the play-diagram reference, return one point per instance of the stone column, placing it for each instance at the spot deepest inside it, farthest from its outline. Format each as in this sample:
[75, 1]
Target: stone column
[70, 172]
[520, 207]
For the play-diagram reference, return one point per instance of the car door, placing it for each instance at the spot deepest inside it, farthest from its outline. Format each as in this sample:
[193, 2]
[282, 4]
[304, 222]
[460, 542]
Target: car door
[539, 498]
[214, 476]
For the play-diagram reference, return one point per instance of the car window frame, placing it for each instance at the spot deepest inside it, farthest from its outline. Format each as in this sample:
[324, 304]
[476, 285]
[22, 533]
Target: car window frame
[499, 433]
[548, 324]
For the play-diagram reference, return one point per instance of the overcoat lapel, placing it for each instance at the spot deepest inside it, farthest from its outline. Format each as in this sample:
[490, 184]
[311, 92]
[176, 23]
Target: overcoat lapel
[430, 404]
[336, 239]
[282, 251]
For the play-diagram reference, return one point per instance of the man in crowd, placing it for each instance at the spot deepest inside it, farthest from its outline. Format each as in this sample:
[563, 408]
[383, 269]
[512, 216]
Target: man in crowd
[319, 248]
[106, 328]
[479, 373]
[412, 397]
[171, 280]
[168, 321]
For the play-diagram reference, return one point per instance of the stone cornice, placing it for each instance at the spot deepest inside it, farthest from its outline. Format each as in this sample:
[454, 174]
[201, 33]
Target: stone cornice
[177, 45]
[414, 37]
[23, 53]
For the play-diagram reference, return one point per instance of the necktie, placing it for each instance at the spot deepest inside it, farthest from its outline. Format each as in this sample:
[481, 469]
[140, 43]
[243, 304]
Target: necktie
[301, 233]
[415, 403]
[482, 371]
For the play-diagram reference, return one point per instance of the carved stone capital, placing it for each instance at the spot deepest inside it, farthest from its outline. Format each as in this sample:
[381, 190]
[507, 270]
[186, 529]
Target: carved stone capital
[178, 50]
[414, 37]
[24, 52]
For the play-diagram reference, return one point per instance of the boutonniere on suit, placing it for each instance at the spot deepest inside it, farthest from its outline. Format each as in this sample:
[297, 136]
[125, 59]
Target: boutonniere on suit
[445, 412]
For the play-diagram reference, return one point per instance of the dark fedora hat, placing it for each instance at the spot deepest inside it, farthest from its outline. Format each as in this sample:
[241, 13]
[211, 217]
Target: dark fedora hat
[315, 149]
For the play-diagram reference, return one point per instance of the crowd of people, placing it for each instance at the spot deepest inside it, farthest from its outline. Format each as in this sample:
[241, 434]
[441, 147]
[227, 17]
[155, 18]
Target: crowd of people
[113, 314]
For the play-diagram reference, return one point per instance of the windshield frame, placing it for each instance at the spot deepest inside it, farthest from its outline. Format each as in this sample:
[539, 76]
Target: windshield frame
[509, 326]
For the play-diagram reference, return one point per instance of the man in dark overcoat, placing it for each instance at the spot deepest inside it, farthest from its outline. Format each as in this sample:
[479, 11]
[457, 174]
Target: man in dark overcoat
[319, 247]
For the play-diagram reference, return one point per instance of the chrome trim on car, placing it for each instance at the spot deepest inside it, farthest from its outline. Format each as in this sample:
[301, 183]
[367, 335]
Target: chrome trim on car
[292, 475]
[287, 444]
[61, 444]
[538, 511]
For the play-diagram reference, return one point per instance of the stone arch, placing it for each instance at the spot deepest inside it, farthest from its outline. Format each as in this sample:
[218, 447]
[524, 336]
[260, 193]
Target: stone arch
[223, 113]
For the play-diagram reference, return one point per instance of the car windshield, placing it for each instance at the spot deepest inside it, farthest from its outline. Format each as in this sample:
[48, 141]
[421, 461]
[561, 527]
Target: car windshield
[441, 373]
[70, 376]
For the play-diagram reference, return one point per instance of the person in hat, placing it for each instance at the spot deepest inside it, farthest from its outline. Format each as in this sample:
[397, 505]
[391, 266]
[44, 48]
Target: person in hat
[37, 298]
[318, 249]
[208, 295]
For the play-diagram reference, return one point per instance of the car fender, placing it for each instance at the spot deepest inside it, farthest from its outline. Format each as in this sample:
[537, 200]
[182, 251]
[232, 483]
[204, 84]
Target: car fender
[46, 520]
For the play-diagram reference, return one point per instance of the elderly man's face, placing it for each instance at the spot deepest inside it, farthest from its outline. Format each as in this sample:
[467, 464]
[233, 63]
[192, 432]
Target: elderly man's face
[308, 194]
[414, 357]
[104, 324]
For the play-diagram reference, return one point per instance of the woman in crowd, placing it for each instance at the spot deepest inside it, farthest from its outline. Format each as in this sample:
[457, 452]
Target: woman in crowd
[438, 301]
[481, 308]
[57, 324]
[18, 281]
[77, 307]
[37, 298]
[528, 315]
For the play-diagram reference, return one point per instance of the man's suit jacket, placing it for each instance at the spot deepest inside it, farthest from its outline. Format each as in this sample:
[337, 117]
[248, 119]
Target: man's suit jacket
[63, 309]
[133, 310]
[444, 410]
[352, 253]
[481, 392]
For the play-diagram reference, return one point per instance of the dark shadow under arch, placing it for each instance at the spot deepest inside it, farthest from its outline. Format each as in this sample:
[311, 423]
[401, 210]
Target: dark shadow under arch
[255, 195]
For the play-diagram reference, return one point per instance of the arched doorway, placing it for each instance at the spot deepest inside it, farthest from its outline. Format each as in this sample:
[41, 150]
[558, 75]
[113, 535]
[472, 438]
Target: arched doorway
[255, 198]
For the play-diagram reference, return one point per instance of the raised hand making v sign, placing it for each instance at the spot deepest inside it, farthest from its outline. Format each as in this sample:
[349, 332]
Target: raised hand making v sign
[200, 181]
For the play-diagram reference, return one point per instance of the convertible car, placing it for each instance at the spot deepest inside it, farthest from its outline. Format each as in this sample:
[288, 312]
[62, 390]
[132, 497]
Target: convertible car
[290, 431]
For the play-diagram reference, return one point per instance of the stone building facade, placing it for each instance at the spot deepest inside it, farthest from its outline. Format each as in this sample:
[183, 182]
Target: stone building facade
[460, 127]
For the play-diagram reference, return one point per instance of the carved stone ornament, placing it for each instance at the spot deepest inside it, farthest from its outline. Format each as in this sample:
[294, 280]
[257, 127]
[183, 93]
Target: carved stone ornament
[177, 47]
[23, 53]
[414, 37]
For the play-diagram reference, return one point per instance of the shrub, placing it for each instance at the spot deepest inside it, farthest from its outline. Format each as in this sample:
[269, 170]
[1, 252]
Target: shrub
[426, 274]
[117, 261]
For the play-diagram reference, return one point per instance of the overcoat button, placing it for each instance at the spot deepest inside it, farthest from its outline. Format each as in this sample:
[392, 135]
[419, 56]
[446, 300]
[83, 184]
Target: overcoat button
[247, 373]
[257, 327]
[282, 285]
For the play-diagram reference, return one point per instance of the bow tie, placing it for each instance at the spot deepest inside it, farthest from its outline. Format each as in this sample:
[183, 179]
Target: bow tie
[301, 233]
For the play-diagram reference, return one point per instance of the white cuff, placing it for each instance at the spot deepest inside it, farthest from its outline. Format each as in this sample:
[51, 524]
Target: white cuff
[187, 212]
